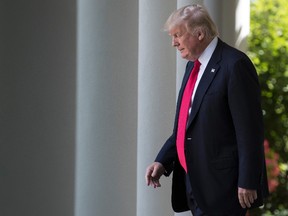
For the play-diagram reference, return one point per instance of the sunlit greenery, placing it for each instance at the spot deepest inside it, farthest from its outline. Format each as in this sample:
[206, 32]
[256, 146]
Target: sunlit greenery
[268, 49]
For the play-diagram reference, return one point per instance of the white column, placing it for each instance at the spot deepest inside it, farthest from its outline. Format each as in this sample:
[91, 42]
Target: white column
[106, 108]
[156, 102]
[242, 25]
[233, 19]
[37, 107]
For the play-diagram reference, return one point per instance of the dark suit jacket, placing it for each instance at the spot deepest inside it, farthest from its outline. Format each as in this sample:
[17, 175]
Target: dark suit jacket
[224, 138]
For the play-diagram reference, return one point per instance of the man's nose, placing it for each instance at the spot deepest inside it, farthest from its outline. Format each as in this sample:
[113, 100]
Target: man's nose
[174, 42]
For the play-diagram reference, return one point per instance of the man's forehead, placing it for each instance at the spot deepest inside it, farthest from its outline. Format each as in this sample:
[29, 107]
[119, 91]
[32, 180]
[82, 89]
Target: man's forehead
[177, 29]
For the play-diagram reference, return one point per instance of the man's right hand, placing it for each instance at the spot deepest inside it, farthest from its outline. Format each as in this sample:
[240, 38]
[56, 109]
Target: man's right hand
[153, 174]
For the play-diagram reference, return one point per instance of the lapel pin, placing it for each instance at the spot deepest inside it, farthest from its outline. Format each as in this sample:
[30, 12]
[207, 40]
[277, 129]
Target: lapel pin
[212, 70]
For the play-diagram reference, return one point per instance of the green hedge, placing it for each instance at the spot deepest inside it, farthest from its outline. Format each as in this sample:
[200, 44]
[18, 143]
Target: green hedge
[268, 49]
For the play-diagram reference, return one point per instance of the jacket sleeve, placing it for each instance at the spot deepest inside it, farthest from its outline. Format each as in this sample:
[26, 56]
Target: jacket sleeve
[245, 106]
[167, 155]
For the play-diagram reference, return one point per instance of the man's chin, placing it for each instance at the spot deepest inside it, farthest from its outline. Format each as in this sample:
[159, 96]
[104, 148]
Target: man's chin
[184, 56]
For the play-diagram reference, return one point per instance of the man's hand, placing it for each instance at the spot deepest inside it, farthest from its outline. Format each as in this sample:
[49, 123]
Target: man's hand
[246, 197]
[153, 174]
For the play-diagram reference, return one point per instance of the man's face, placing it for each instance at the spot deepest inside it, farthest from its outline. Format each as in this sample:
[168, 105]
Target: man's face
[186, 43]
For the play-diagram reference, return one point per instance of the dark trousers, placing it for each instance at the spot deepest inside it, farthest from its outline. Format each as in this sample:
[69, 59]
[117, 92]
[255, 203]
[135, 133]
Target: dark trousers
[196, 211]
[192, 204]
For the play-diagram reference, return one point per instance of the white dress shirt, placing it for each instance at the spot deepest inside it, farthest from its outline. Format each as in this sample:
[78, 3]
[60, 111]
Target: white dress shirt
[204, 59]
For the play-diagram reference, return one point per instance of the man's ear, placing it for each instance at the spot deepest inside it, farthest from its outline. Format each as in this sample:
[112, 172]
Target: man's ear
[200, 35]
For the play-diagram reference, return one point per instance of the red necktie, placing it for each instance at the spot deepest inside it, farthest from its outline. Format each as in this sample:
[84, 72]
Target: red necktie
[183, 113]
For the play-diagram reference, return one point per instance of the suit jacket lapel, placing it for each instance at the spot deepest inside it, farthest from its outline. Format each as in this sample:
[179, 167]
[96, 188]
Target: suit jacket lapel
[207, 78]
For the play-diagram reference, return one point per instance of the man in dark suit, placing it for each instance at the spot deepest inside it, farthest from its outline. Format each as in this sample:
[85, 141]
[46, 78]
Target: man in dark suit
[216, 149]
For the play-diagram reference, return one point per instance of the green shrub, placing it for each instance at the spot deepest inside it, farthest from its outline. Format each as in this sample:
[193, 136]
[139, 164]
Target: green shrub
[268, 49]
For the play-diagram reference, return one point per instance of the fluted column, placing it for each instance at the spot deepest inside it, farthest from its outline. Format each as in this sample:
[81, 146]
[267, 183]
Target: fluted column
[156, 101]
[106, 108]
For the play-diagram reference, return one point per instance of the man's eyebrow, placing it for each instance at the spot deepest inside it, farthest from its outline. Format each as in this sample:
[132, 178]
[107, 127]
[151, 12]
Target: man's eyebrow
[176, 33]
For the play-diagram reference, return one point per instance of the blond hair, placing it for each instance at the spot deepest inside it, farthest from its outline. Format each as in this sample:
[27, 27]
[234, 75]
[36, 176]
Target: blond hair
[195, 18]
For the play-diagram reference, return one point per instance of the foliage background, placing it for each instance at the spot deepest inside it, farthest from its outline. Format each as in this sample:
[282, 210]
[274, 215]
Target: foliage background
[268, 49]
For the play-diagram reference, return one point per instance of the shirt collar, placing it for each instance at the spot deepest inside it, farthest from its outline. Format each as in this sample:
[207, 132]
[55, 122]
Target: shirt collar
[206, 55]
